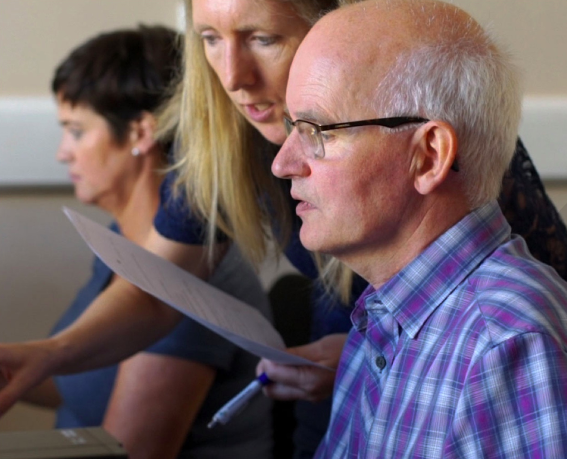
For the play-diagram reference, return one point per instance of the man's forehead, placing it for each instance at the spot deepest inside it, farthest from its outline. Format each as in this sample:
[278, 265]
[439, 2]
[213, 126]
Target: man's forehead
[316, 89]
[327, 77]
[373, 33]
[347, 54]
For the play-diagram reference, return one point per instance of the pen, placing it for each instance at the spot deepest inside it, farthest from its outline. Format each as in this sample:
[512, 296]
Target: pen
[239, 401]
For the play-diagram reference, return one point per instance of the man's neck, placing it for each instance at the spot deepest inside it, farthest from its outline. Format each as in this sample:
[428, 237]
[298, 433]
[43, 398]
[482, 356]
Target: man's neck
[379, 264]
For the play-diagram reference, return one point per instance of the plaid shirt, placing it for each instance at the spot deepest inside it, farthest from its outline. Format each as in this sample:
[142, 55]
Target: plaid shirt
[462, 354]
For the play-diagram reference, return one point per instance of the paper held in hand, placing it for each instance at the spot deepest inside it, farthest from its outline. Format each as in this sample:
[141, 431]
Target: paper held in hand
[211, 307]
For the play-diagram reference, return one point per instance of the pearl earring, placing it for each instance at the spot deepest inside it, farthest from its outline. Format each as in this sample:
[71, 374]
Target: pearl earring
[135, 151]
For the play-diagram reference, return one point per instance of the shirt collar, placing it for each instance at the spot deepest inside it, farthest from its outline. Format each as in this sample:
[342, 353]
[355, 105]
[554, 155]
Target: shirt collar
[416, 291]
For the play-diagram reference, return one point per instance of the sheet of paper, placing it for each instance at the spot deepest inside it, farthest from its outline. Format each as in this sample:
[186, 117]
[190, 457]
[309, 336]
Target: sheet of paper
[211, 307]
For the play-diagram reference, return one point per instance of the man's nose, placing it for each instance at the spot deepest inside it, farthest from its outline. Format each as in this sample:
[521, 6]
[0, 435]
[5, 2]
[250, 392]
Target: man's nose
[291, 162]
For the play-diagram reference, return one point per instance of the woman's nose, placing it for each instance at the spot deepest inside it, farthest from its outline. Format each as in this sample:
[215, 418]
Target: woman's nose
[239, 68]
[64, 151]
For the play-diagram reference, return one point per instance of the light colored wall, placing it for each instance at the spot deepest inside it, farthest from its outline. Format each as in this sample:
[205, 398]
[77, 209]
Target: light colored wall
[36, 34]
[557, 192]
[535, 33]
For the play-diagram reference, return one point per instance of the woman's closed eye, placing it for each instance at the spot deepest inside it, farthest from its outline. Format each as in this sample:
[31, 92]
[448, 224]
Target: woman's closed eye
[76, 133]
[265, 40]
[210, 39]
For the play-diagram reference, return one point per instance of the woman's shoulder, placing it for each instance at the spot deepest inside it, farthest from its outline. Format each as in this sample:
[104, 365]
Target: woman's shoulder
[531, 213]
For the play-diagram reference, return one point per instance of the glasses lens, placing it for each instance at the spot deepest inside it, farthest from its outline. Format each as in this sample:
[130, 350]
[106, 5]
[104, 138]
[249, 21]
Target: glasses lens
[288, 124]
[310, 138]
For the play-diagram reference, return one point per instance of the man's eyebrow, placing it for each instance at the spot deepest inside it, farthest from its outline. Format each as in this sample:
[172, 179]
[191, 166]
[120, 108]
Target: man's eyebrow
[307, 115]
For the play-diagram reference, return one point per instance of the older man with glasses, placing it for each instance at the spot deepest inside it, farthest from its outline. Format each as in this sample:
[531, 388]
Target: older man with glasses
[458, 346]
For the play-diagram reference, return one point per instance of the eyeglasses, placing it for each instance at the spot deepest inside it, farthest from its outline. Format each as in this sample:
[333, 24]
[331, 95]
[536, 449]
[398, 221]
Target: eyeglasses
[311, 135]
[312, 139]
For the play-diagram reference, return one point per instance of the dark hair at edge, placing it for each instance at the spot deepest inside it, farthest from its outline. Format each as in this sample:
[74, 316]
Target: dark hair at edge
[121, 74]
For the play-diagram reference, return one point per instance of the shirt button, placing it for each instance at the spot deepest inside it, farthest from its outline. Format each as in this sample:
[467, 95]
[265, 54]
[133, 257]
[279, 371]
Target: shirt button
[380, 362]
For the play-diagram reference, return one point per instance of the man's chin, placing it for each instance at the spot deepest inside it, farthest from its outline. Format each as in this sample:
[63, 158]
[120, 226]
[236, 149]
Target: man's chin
[314, 243]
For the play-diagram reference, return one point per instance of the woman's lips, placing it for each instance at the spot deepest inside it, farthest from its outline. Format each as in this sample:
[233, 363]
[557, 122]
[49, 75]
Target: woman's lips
[259, 112]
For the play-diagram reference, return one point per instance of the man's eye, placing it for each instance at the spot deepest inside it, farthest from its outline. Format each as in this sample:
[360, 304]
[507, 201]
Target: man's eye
[327, 136]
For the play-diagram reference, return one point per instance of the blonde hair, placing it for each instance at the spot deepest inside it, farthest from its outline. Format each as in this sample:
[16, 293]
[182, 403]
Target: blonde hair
[223, 163]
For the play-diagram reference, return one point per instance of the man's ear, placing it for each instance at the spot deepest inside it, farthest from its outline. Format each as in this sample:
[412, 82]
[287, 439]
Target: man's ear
[435, 151]
[142, 132]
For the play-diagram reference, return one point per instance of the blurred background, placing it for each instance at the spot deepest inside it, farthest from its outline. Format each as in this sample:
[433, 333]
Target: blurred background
[43, 261]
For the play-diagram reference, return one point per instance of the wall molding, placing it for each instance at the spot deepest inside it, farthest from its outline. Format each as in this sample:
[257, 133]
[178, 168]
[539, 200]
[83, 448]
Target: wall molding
[29, 137]
[544, 132]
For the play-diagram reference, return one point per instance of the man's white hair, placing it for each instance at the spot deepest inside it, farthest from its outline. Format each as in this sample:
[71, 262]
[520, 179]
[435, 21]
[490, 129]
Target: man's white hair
[470, 83]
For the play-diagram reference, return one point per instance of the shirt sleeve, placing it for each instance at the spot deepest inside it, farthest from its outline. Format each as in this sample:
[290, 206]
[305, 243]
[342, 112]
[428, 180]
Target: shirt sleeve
[514, 402]
[175, 220]
[192, 341]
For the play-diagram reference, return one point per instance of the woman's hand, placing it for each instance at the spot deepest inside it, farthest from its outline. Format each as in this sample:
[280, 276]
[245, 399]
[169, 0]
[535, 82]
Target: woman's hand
[22, 367]
[291, 382]
[121, 321]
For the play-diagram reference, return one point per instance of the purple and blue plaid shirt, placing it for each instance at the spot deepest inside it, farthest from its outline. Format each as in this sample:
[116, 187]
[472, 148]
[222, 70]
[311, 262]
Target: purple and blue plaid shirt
[462, 354]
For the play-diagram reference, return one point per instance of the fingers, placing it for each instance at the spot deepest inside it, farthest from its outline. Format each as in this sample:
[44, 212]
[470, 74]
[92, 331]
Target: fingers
[282, 374]
[325, 351]
[291, 382]
[9, 395]
[21, 368]
[281, 392]
[12, 388]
